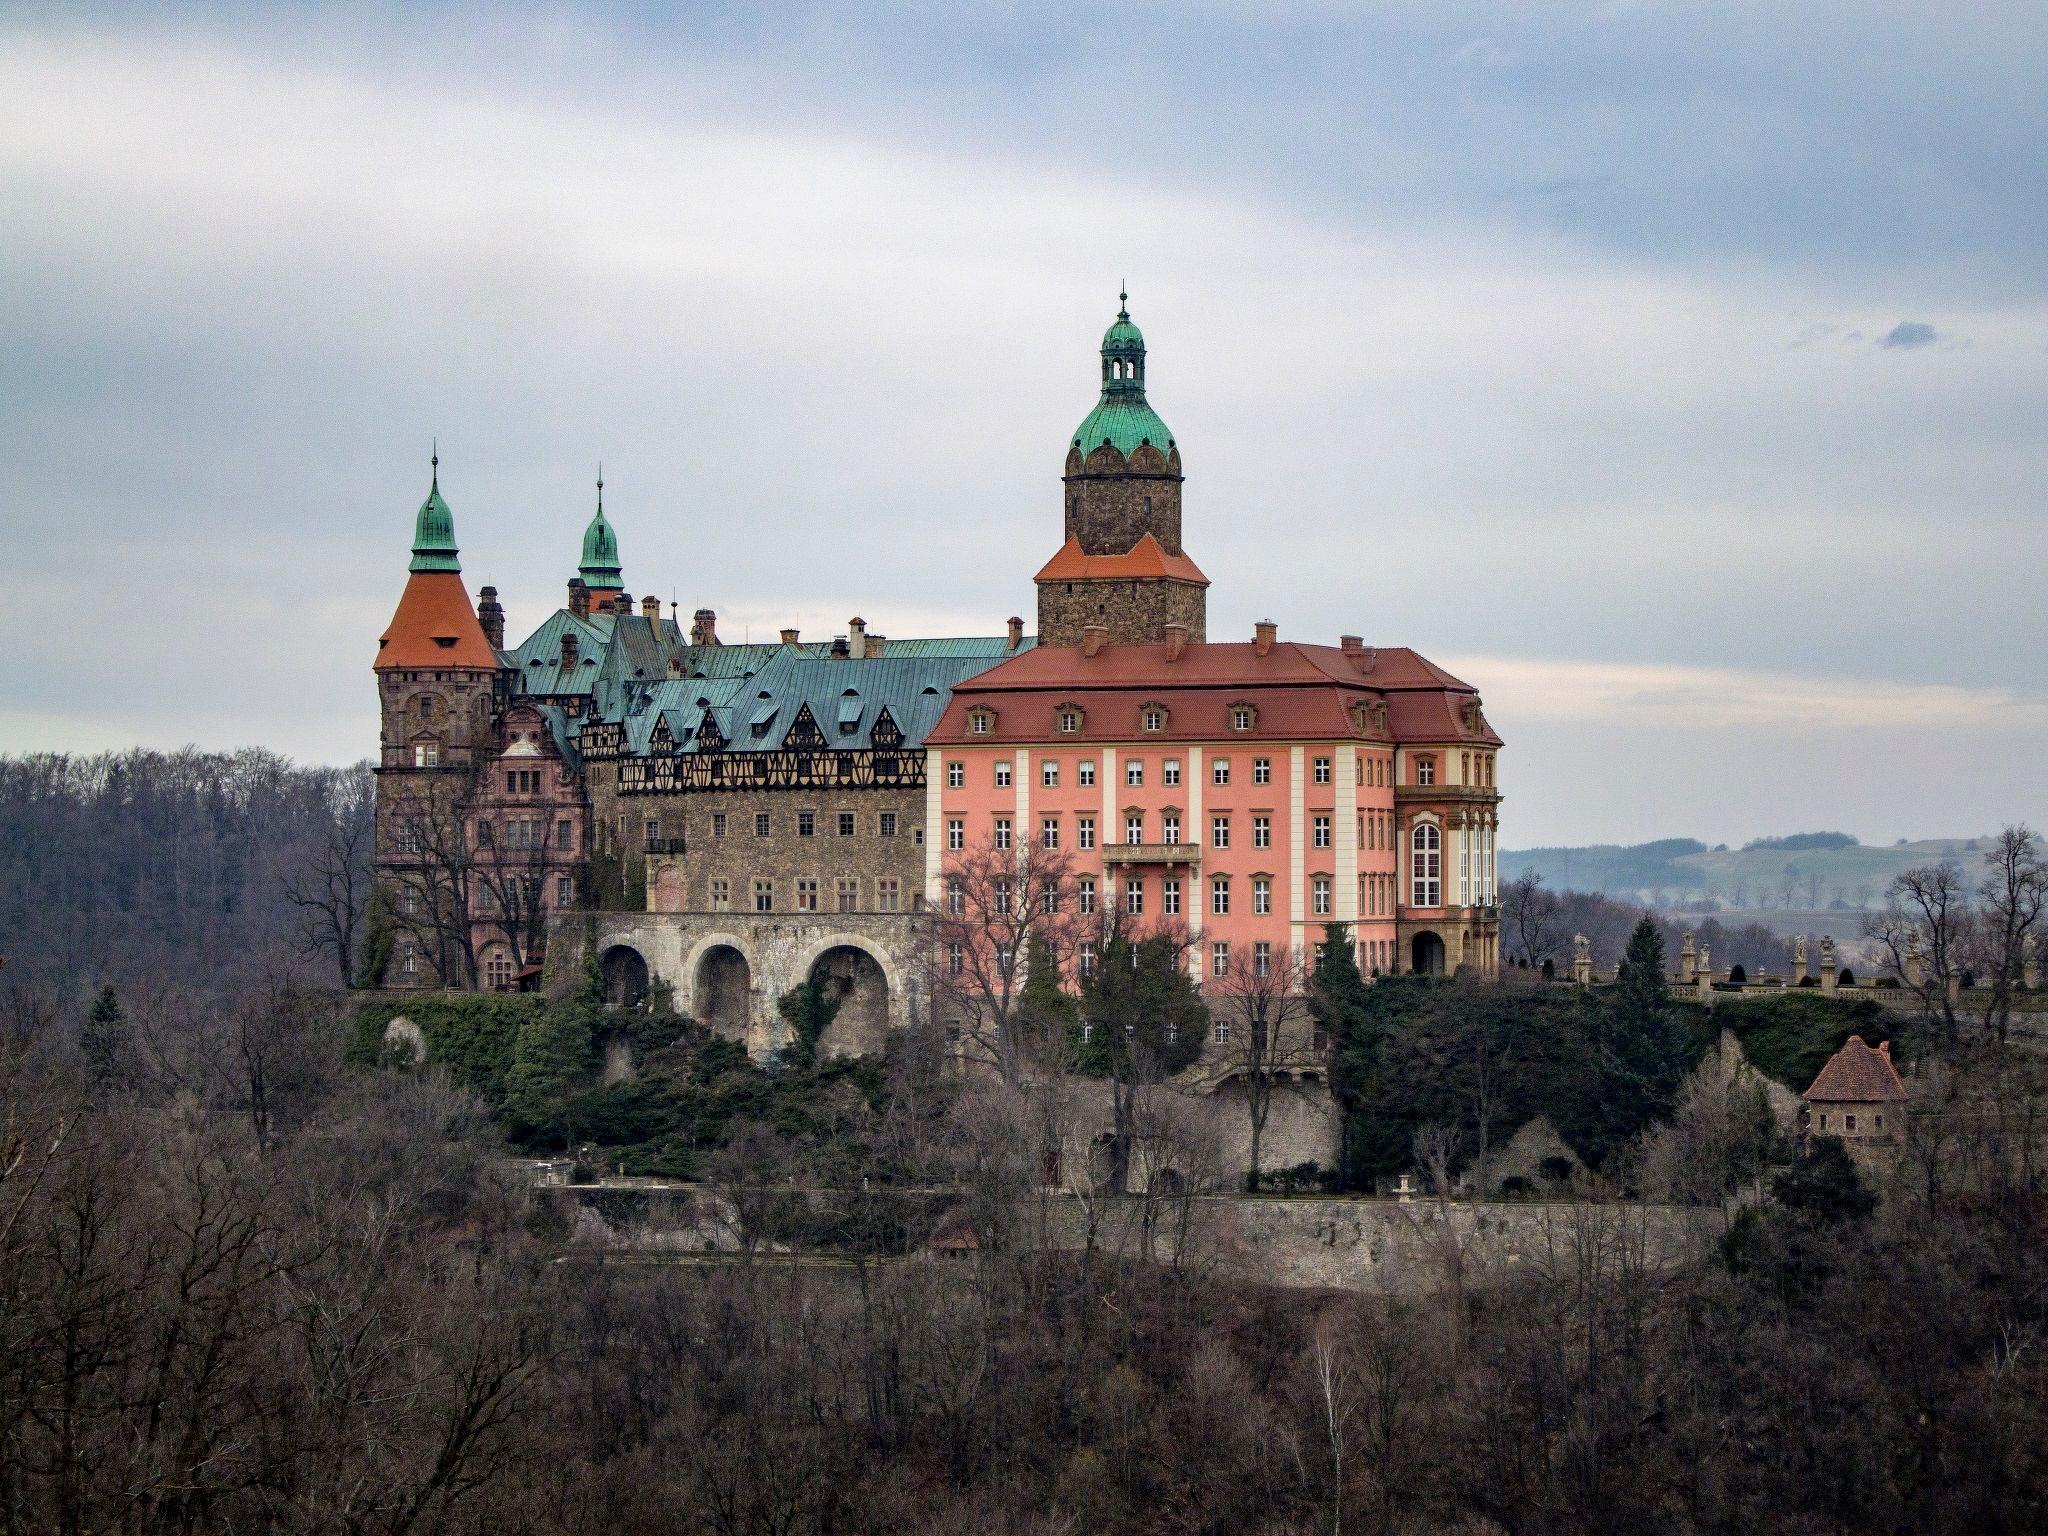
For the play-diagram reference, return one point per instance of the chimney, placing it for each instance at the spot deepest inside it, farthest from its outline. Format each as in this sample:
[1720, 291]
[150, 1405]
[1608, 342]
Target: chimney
[1351, 645]
[622, 603]
[857, 639]
[1016, 632]
[1176, 640]
[1262, 637]
[841, 651]
[876, 645]
[1093, 638]
[579, 598]
[789, 637]
[568, 649]
[491, 616]
[650, 610]
[704, 627]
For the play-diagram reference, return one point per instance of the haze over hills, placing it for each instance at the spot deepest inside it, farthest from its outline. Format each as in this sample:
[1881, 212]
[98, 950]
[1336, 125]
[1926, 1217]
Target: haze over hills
[1809, 871]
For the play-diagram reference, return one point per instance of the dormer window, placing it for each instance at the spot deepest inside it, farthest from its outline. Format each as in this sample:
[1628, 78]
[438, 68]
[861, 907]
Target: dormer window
[1243, 717]
[1069, 719]
[980, 721]
[1153, 717]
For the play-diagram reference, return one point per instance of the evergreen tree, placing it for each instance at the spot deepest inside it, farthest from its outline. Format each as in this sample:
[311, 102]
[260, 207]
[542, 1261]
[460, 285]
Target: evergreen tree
[1641, 995]
[1047, 1014]
[1341, 1001]
[106, 1045]
[1148, 1018]
[551, 1060]
[809, 1009]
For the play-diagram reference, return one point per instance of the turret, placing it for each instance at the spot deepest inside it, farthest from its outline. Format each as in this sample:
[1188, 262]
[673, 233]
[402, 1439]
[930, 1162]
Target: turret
[600, 569]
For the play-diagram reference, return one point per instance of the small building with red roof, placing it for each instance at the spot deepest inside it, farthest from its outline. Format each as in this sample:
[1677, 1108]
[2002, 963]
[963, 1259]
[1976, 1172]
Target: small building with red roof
[1857, 1095]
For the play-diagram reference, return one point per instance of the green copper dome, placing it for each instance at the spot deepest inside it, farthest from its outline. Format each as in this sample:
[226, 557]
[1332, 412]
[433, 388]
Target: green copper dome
[600, 565]
[1123, 417]
[433, 531]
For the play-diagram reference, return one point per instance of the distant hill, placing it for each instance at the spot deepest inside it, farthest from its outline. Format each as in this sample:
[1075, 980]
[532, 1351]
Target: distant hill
[1807, 871]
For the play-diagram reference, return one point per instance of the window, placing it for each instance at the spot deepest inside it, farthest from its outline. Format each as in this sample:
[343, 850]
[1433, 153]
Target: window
[1219, 1031]
[1154, 718]
[956, 775]
[1219, 831]
[956, 896]
[1172, 1031]
[1084, 774]
[1134, 827]
[1002, 775]
[1169, 898]
[1087, 969]
[426, 754]
[1262, 831]
[1262, 896]
[1427, 861]
[718, 823]
[807, 894]
[565, 891]
[1084, 832]
[565, 832]
[1241, 718]
[1320, 829]
[806, 823]
[1134, 771]
[956, 958]
[650, 830]
[1262, 770]
[1262, 958]
[1848, 1122]
[1049, 832]
[1219, 958]
[846, 823]
[1070, 720]
[1319, 897]
[1134, 899]
[848, 892]
[1169, 771]
[764, 895]
[1219, 771]
[1169, 829]
[1425, 770]
[888, 894]
[1084, 896]
[1002, 831]
[978, 723]
[888, 824]
[721, 896]
[1322, 770]
[956, 834]
[760, 823]
[409, 963]
[1049, 775]
[483, 834]
[1219, 896]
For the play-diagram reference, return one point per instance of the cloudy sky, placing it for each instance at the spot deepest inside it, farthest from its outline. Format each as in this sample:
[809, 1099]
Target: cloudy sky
[1677, 373]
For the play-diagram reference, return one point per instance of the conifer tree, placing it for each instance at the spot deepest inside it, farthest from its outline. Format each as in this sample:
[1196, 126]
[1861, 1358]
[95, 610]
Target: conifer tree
[551, 1061]
[1341, 1001]
[105, 1043]
[808, 1008]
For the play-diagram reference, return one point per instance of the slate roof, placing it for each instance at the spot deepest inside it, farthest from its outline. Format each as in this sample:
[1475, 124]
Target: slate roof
[1858, 1074]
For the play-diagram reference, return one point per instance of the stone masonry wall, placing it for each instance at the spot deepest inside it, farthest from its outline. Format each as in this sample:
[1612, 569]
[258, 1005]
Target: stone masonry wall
[1135, 612]
[1108, 512]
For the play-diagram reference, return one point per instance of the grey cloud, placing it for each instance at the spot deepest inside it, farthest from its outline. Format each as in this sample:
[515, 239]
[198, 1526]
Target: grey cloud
[1908, 334]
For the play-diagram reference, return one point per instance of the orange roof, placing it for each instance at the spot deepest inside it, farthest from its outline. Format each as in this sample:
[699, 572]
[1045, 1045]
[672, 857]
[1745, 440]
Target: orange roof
[1856, 1074]
[1147, 558]
[435, 626]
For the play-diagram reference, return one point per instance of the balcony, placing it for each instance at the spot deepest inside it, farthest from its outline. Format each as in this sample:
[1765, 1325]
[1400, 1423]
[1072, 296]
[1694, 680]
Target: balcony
[1152, 853]
[663, 845]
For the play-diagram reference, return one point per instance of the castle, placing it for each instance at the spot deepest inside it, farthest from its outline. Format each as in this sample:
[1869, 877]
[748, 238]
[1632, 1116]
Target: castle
[728, 820]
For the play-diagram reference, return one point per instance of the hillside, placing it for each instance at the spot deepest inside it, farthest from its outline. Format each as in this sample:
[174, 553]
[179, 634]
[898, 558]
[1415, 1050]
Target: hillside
[1771, 874]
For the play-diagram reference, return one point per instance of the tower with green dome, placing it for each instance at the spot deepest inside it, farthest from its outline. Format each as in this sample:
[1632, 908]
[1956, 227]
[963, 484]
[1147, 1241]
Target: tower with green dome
[1121, 566]
[599, 567]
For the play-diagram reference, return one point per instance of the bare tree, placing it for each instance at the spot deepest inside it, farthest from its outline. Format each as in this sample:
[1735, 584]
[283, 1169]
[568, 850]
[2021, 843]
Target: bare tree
[1531, 913]
[432, 863]
[1264, 1011]
[998, 909]
[2010, 901]
[331, 888]
[1921, 932]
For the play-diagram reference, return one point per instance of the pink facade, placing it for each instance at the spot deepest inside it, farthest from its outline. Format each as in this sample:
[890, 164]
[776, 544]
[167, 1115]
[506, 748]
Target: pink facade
[528, 829]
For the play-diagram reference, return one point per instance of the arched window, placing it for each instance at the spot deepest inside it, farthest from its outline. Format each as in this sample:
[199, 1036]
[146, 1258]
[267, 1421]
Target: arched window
[1427, 865]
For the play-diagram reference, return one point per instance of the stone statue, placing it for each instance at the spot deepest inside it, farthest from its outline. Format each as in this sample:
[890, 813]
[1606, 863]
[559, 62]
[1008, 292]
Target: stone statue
[1827, 962]
[1798, 958]
[1688, 959]
[1582, 960]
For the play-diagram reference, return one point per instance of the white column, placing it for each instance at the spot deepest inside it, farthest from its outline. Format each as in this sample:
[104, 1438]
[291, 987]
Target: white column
[1345, 905]
[1022, 774]
[1297, 820]
[1198, 885]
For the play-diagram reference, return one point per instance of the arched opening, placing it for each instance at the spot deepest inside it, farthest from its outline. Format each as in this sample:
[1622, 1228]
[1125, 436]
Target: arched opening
[625, 976]
[724, 992]
[854, 978]
[1426, 954]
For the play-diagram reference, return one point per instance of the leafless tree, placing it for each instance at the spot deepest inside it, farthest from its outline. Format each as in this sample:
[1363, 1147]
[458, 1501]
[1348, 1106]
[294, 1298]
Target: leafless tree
[433, 864]
[998, 908]
[2010, 902]
[1531, 914]
[331, 887]
[1266, 1034]
[1922, 934]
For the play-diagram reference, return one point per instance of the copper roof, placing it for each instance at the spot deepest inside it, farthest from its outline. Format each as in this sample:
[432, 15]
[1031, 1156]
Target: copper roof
[1146, 558]
[1857, 1074]
[434, 626]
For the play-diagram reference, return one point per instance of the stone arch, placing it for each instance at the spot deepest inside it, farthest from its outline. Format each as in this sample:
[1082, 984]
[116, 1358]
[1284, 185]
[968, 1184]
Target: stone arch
[1426, 953]
[856, 978]
[624, 970]
[721, 980]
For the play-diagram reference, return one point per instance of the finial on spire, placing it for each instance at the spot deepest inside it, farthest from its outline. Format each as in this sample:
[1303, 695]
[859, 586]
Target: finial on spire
[435, 462]
[1123, 299]
[600, 485]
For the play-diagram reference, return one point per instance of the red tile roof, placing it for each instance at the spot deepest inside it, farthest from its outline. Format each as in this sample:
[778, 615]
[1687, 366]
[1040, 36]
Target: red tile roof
[435, 626]
[1147, 558]
[1857, 1074]
[1300, 692]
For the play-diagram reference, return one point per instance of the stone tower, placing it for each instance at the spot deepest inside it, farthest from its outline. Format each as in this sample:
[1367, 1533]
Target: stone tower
[1121, 566]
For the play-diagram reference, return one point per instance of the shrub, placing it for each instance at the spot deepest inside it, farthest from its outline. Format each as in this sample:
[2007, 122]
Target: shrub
[1738, 976]
[1515, 1187]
